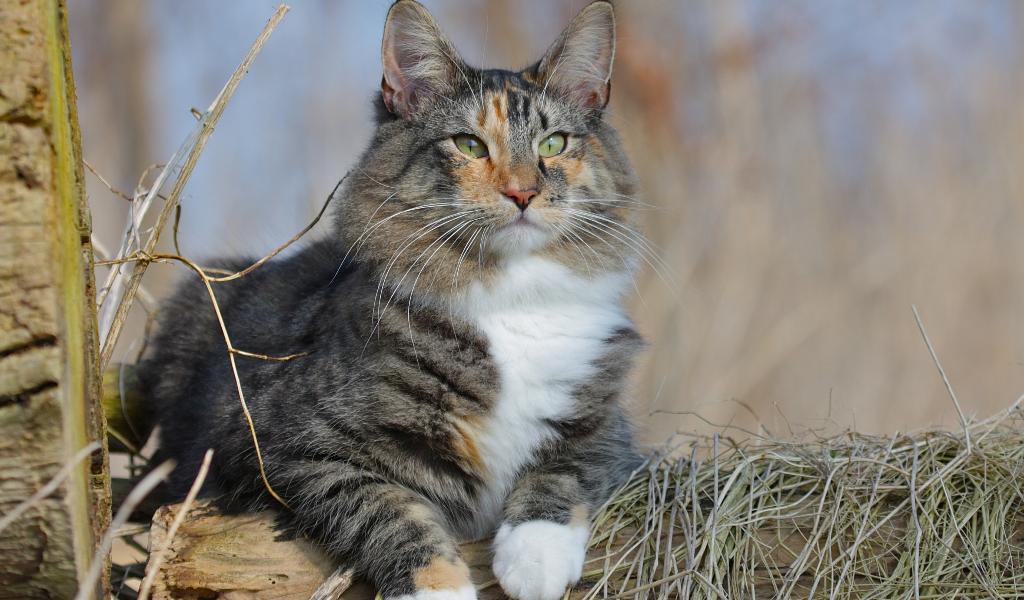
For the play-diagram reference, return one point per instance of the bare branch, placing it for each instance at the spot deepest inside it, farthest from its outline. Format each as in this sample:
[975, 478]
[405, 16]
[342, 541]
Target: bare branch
[113, 323]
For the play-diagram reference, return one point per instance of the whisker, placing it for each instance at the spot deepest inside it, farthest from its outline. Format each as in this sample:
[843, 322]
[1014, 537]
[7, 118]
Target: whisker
[440, 241]
[625, 264]
[462, 257]
[422, 231]
[566, 231]
[641, 252]
[408, 304]
[357, 244]
[450, 234]
[629, 232]
[378, 294]
[458, 269]
[633, 241]
[616, 202]
[380, 183]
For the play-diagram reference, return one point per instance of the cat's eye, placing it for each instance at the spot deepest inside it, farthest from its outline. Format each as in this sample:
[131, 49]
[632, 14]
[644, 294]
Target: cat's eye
[553, 145]
[470, 145]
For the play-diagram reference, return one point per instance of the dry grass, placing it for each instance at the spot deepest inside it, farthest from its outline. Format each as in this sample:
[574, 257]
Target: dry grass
[852, 516]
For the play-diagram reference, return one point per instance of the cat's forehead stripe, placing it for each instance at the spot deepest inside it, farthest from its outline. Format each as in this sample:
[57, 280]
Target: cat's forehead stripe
[519, 107]
[496, 102]
[492, 118]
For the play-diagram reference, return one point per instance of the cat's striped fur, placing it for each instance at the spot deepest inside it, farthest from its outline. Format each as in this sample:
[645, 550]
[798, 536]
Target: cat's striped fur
[467, 355]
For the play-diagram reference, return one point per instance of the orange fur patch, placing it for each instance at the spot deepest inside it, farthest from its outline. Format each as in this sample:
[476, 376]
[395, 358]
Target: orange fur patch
[596, 146]
[466, 447]
[572, 167]
[499, 112]
[476, 178]
[442, 574]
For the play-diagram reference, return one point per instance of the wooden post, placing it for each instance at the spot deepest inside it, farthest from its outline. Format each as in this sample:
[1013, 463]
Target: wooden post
[48, 369]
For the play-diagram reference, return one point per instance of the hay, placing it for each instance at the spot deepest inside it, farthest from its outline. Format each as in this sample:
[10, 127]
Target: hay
[854, 516]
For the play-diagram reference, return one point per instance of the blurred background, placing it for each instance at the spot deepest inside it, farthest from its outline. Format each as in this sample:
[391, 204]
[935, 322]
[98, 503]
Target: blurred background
[815, 168]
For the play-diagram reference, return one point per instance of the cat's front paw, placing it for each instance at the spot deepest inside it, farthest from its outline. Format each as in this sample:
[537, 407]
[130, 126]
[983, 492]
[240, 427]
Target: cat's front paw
[441, 579]
[538, 560]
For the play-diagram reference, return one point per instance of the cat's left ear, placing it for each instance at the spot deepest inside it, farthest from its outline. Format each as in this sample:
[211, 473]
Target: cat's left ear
[579, 64]
[420, 63]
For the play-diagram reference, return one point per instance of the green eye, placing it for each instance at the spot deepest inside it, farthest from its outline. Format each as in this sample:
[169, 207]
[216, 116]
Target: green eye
[470, 145]
[553, 145]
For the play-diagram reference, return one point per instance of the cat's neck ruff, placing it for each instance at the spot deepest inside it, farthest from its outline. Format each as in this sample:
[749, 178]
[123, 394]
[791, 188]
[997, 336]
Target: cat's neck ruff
[531, 283]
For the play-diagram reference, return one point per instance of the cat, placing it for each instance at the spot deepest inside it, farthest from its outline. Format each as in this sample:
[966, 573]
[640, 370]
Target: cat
[464, 346]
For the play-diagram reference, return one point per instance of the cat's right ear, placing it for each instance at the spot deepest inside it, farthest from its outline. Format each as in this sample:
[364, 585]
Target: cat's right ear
[420, 63]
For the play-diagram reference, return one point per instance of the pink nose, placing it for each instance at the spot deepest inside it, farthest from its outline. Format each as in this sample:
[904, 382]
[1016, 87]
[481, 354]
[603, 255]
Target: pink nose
[522, 198]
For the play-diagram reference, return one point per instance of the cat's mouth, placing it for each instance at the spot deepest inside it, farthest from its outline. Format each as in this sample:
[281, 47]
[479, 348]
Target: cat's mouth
[526, 218]
[522, 233]
[521, 220]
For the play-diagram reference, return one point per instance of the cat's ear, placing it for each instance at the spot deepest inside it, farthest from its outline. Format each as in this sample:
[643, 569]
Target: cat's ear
[579, 64]
[420, 63]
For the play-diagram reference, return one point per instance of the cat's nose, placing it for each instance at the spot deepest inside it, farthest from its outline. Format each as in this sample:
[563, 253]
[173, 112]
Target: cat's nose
[521, 197]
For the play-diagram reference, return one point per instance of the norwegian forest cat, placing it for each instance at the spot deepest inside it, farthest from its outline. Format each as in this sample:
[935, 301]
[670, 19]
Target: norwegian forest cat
[466, 346]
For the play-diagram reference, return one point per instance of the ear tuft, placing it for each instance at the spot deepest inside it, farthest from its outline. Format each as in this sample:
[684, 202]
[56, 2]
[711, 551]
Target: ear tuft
[420, 63]
[579, 64]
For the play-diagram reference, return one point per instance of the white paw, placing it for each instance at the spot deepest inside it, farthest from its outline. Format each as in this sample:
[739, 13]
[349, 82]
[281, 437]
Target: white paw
[538, 560]
[466, 592]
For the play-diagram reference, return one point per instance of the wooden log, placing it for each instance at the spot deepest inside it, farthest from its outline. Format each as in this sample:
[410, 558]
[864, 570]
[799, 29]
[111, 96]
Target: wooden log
[232, 557]
[49, 384]
[242, 557]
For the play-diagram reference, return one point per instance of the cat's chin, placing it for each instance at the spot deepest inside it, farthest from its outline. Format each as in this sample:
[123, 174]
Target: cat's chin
[518, 238]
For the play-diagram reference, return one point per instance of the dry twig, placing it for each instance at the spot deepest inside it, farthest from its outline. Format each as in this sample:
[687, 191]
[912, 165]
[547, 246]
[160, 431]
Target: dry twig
[208, 281]
[156, 559]
[945, 379]
[103, 180]
[137, 495]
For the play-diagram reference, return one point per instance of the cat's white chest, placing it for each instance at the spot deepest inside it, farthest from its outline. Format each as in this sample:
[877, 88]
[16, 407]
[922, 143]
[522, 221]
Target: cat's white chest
[545, 327]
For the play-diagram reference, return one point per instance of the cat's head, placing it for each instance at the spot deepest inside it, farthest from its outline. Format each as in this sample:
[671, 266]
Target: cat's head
[470, 169]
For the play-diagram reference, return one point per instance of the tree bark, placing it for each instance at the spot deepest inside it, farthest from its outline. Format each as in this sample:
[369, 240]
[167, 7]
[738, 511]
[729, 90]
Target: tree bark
[49, 385]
